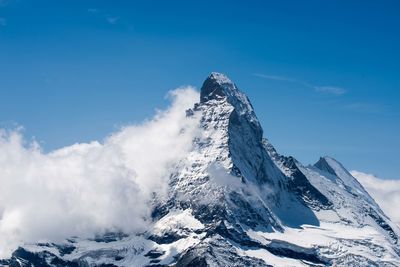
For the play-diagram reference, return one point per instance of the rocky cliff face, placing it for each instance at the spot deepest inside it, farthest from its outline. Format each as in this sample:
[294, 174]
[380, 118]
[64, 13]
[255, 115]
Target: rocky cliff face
[235, 201]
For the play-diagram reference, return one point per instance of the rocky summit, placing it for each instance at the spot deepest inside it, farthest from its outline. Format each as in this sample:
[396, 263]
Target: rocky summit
[235, 201]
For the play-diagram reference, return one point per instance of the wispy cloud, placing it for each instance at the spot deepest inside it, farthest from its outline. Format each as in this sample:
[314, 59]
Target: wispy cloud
[326, 89]
[330, 89]
[107, 17]
[369, 108]
[112, 20]
[364, 107]
[93, 10]
[275, 77]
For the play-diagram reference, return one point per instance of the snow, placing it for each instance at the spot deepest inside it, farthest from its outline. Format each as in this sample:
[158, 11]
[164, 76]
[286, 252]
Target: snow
[178, 247]
[270, 258]
[231, 159]
[177, 219]
[335, 239]
[220, 78]
[346, 177]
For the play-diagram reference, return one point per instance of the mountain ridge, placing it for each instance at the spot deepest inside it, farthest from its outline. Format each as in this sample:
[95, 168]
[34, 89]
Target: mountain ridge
[235, 201]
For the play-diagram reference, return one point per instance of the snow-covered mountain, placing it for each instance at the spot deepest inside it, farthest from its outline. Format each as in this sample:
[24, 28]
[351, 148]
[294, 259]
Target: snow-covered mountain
[235, 201]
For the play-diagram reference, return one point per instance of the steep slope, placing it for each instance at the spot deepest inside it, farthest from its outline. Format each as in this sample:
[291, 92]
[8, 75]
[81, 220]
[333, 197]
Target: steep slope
[234, 201]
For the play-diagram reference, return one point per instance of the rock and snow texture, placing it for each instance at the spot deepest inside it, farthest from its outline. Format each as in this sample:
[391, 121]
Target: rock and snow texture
[385, 192]
[233, 200]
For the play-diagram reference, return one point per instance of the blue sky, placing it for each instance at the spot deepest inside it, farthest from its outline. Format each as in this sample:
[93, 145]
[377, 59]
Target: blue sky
[323, 76]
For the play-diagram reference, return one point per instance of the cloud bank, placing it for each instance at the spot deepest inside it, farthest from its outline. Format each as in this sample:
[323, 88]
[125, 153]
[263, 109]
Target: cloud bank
[385, 192]
[90, 188]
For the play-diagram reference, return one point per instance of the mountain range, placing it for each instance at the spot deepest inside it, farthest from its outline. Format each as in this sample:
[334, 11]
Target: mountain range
[235, 201]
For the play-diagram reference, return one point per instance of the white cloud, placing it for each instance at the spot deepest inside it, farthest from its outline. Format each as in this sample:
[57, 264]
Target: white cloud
[94, 187]
[333, 90]
[385, 192]
[330, 90]
[222, 178]
[275, 77]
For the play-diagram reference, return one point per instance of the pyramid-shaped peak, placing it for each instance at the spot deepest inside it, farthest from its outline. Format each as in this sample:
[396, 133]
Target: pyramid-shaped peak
[216, 86]
[330, 165]
[220, 78]
[325, 164]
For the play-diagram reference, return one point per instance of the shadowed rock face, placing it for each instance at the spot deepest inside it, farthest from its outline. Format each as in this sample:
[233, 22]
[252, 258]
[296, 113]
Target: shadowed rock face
[324, 166]
[214, 87]
[243, 130]
[219, 87]
[230, 198]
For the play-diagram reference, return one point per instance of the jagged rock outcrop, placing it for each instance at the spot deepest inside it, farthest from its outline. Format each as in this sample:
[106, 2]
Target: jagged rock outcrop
[235, 201]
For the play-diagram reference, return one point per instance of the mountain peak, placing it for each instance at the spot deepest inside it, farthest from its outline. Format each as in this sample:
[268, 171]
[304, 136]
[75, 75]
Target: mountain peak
[324, 164]
[220, 77]
[232, 200]
[335, 168]
[331, 166]
[218, 89]
[217, 85]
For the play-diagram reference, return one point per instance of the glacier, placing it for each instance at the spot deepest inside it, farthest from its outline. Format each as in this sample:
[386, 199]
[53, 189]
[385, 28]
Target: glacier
[233, 200]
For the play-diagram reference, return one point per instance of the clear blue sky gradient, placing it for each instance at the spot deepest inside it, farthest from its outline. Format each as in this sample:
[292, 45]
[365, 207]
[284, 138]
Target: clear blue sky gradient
[323, 76]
